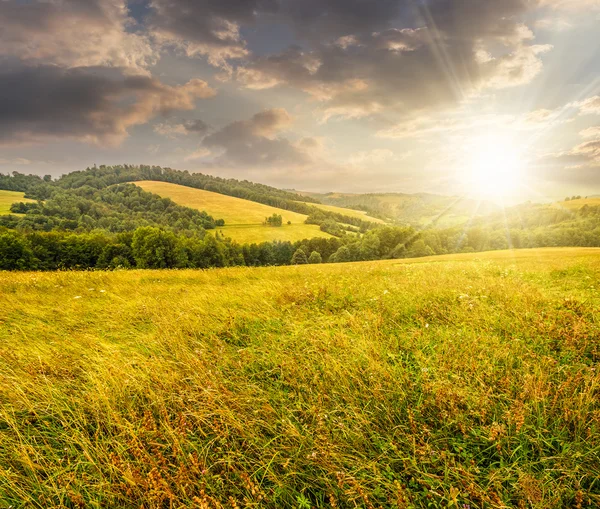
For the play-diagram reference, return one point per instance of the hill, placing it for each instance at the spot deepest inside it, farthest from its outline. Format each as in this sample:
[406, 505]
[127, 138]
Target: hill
[579, 203]
[465, 380]
[7, 198]
[243, 218]
[419, 210]
[358, 214]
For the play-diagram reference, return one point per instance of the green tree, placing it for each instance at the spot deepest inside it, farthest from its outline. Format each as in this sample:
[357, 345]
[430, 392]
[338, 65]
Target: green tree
[15, 253]
[299, 257]
[154, 248]
[315, 257]
[419, 249]
[341, 255]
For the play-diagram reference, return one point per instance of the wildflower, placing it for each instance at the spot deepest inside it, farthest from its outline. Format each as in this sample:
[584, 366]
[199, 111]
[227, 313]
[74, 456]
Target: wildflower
[427, 326]
[385, 292]
[102, 291]
[78, 297]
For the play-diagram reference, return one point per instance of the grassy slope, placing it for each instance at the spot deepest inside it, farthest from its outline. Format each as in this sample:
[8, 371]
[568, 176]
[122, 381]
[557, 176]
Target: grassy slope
[577, 204]
[465, 379]
[348, 212]
[243, 218]
[417, 209]
[7, 198]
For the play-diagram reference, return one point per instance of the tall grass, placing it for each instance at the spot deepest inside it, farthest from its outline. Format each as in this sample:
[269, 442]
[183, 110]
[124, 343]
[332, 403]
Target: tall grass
[464, 381]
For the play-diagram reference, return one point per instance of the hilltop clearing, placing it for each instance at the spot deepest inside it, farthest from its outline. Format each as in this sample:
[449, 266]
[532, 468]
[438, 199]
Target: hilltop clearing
[243, 218]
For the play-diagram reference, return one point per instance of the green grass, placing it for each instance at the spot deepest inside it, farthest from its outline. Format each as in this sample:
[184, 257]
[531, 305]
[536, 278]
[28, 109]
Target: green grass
[243, 218]
[440, 382]
[7, 198]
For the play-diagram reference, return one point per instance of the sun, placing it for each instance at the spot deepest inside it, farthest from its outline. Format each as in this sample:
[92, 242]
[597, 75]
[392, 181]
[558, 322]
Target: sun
[495, 168]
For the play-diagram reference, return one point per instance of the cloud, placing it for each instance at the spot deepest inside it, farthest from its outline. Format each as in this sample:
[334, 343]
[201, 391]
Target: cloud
[171, 130]
[589, 106]
[209, 28]
[449, 52]
[257, 142]
[73, 33]
[95, 105]
[591, 132]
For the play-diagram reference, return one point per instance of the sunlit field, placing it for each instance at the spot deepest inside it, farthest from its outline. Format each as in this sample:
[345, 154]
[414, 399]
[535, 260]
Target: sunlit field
[359, 214]
[255, 234]
[7, 198]
[243, 218]
[454, 381]
[578, 204]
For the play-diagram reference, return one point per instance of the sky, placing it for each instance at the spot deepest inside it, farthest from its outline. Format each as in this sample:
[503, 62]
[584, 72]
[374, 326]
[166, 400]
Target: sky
[488, 97]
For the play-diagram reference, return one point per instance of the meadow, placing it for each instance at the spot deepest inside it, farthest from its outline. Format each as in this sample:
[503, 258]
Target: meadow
[243, 218]
[578, 204]
[452, 381]
[358, 214]
[7, 198]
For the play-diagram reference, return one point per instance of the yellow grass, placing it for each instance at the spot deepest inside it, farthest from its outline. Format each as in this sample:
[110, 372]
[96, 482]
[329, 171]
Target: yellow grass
[243, 218]
[255, 234]
[234, 211]
[577, 204]
[457, 381]
[359, 214]
[7, 198]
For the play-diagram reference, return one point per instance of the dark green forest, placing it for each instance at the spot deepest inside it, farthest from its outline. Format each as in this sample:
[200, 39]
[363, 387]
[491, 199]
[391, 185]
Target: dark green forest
[97, 219]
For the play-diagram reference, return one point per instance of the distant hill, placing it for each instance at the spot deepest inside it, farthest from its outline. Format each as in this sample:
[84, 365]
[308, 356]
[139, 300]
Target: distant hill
[243, 218]
[359, 214]
[591, 201]
[420, 210]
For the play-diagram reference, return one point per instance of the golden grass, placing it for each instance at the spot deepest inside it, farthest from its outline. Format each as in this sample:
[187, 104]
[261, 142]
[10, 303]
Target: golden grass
[249, 234]
[359, 214]
[243, 218]
[465, 380]
[234, 211]
[7, 198]
[577, 204]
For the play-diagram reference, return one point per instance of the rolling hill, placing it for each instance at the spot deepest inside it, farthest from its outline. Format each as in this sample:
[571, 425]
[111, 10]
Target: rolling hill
[243, 218]
[593, 201]
[7, 198]
[358, 214]
[420, 210]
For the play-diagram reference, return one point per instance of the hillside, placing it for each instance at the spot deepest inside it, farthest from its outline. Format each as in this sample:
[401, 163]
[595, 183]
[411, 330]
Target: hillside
[358, 214]
[419, 210]
[7, 198]
[464, 380]
[243, 218]
[580, 203]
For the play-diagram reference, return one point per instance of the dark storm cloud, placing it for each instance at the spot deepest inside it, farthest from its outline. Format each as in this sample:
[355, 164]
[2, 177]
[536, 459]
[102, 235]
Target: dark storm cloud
[256, 142]
[88, 104]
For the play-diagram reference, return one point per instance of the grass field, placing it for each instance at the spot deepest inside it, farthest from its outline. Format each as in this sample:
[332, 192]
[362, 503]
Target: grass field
[577, 204]
[457, 381]
[243, 218]
[359, 214]
[7, 198]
